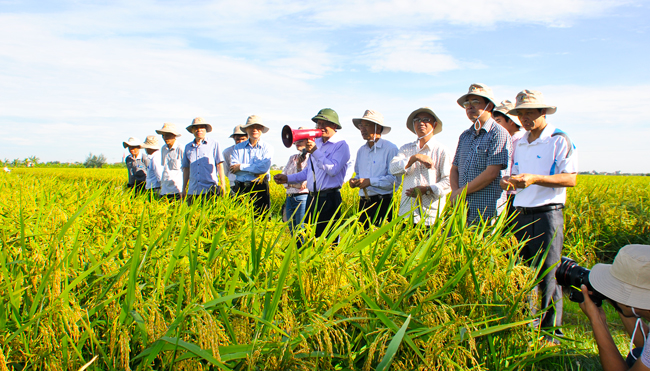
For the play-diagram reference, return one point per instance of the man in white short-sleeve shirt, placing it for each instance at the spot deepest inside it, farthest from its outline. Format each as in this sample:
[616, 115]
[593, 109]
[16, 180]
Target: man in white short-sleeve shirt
[545, 164]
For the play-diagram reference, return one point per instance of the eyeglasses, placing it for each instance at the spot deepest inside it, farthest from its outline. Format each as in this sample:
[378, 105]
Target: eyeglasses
[473, 102]
[425, 120]
[321, 125]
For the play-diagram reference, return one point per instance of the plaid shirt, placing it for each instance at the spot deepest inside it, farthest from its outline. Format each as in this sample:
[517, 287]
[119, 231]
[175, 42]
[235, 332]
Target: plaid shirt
[492, 145]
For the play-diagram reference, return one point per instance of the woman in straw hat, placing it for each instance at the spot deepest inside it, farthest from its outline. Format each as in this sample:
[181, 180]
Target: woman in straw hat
[171, 155]
[136, 165]
[295, 205]
[626, 284]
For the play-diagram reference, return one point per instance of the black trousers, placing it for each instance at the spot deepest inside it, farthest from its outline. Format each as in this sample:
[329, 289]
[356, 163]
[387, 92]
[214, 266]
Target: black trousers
[547, 234]
[377, 209]
[323, 207]
[212, 192]
[259, 193]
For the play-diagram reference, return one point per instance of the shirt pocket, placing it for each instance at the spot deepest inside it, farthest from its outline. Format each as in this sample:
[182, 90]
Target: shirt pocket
[481, 155]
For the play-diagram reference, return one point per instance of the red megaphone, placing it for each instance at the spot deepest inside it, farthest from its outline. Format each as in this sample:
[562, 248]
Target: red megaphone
[289, 136]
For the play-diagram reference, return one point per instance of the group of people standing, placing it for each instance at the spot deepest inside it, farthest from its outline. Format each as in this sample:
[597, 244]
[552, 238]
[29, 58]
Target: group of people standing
[510, 158]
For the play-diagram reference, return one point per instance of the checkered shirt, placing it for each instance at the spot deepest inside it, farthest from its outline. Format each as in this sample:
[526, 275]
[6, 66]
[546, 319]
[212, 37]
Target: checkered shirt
[492, 145]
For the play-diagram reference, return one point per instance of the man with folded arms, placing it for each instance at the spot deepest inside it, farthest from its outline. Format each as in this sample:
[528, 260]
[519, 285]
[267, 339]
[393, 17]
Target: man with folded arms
[251, 162]
[136, 164]
[171, 156]
[482, 157]
[376, 183]
[545, 164]
[425, 164]
[202, 161]
[325, 171]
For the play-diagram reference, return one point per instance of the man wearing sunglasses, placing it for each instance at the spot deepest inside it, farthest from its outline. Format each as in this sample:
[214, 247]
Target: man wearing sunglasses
[325, 171]
[482, 157]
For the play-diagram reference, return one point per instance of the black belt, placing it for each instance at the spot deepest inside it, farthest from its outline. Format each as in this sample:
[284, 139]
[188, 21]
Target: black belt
[324, 191]
[249, 184]
[539, 209]
[296, 194]
[377, 197]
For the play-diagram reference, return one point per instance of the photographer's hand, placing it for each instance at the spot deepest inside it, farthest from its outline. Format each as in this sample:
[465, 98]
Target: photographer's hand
[610, 358]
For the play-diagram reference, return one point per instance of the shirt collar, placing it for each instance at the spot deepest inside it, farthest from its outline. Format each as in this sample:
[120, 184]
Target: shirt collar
[545, 136]
[379, 144]
[259, 143]
[333, 139]
[205, 141]
[487, 126]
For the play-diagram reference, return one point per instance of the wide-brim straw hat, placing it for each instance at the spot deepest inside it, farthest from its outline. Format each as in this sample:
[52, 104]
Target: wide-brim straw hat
[532, 99]
[237, 131]
[169, 128]
[409, 121]
[329, 115]
[151, 142]
[374, 117]
[199, 121]
[627, 280]
[481, 90]
[132, 142]
[504, 107]
[254, 120]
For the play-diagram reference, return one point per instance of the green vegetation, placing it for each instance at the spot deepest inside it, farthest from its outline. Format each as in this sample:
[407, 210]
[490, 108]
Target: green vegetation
[90, 270]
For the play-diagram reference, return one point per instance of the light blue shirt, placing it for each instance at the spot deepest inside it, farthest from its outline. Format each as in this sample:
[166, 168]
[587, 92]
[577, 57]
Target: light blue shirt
[373, 163]
[227, 154]
[202, 160]
[329, 161]
[253, 161]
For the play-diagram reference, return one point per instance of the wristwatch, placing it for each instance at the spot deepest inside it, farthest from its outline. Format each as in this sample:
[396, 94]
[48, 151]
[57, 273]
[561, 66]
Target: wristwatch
[429, 192]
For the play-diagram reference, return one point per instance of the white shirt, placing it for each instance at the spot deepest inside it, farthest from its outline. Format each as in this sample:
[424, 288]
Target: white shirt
[373, 163]
[171, 180]
[551, 153]
[154, 171]
[417, 175]
[227, 153]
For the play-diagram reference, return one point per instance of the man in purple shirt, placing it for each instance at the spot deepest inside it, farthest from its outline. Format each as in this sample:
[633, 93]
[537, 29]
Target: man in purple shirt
[202, 161]
[325, 171]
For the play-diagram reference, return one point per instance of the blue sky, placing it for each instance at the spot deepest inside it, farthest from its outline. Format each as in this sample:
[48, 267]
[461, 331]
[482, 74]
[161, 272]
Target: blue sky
[80, 77]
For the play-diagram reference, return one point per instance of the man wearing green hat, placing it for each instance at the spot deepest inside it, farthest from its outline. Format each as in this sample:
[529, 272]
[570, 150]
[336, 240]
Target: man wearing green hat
[325, 171]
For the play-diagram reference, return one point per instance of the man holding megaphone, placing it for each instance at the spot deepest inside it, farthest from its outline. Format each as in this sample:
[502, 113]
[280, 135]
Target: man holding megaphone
[325, 171]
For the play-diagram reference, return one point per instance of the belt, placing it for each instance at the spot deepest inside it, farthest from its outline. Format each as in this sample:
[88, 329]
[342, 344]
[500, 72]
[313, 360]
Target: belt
[324, 191]
[377, 197]
[297, 194]
[249, 184]
[539, 209]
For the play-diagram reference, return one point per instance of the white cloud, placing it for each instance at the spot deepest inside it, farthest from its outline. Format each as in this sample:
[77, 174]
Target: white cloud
[408, 53]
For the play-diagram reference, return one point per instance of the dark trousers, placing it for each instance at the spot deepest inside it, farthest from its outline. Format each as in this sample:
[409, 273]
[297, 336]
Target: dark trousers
[259, 193]
[377, 209]
[322, 207]
[547, 234]
[139, 187]
[212, 192]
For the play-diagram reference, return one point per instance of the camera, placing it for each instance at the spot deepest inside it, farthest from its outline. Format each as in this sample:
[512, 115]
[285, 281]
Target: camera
[570, 276]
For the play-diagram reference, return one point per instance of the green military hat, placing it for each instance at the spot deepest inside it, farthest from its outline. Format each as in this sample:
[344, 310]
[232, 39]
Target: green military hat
[329, 115]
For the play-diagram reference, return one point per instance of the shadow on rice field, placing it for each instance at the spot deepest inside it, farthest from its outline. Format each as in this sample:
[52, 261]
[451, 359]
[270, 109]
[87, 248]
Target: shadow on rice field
[92, 274]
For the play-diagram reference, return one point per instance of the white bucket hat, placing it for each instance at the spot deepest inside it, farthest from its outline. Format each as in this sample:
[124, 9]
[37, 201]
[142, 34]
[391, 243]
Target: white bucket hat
[481, 90]
[504, 107]
[151, 142]
[237, 131]
[132, 142]
[374, 117]
[409, 121]
[531, 99]
[169, 128]
[199, 121]
[627, 280]
[254, 120]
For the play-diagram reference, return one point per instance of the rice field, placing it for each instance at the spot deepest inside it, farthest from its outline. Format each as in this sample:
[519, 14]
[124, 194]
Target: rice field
[93, 276]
